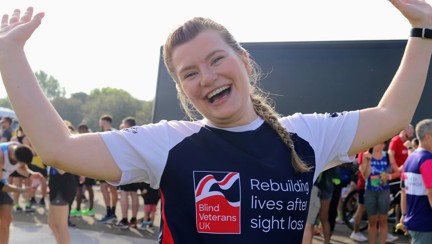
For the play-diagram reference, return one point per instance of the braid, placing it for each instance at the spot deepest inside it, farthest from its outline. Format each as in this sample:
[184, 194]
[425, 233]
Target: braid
[268, 114]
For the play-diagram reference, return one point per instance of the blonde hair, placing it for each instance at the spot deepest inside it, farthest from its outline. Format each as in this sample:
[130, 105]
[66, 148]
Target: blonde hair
[191, 29]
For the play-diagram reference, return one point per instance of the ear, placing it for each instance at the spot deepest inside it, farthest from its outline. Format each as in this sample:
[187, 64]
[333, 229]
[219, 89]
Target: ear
[246, 61]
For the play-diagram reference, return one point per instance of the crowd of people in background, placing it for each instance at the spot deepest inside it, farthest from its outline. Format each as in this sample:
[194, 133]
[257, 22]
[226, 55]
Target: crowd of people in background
[240, 133]
[371, 173]
[379, 175]
[67, 192]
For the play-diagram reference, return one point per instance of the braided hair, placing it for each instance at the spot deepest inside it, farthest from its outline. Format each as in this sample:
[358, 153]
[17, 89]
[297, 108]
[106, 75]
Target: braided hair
[191, 29]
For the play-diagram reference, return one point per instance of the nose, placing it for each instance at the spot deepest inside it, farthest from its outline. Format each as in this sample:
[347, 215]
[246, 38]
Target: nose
[208, 76]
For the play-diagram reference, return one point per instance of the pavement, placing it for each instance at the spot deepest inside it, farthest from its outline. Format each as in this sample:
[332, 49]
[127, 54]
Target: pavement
[31, 227]
[26, 232]
[28, 227]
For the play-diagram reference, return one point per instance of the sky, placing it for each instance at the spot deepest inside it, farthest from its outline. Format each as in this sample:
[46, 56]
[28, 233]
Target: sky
[89, 44]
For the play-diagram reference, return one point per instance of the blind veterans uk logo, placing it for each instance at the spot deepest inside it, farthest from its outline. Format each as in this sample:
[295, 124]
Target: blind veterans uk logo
[217, 202]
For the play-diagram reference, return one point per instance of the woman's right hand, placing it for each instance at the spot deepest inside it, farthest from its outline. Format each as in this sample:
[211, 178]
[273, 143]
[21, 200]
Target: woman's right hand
[16, 30]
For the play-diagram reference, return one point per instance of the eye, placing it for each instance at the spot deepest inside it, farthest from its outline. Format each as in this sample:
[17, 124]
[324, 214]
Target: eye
[189, 75]
[217, 59]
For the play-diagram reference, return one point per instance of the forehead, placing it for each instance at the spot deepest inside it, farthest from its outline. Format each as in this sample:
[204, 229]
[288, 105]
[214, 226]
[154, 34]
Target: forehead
[198, 48]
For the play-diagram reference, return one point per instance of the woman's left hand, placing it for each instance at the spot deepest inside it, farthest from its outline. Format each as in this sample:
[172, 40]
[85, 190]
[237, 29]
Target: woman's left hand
[418, 12]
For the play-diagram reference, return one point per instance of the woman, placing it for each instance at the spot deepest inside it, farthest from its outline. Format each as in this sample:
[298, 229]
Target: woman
[375, 169]
[241, 174]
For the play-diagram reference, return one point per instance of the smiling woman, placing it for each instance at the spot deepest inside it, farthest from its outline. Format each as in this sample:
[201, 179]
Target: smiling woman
[208, 168]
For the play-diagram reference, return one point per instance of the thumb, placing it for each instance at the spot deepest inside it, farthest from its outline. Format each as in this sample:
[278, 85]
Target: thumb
[36, 21]
[395, 3]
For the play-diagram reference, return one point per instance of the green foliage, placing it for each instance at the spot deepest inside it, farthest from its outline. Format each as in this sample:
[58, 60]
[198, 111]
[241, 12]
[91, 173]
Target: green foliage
[50, 85]
[69, 109]
[81, 96]
[83, 108]
[116, 102]
[87, 108]
[5, 103]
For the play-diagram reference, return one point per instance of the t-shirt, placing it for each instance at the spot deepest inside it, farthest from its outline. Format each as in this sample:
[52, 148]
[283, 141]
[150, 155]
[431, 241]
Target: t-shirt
[232, 185]
[8, 168]
[377, 179]
[400, 151]
[7, 134]
[417, 176]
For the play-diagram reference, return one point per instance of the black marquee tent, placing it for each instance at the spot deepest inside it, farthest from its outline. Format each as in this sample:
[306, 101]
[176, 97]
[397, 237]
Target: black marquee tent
[307, 77]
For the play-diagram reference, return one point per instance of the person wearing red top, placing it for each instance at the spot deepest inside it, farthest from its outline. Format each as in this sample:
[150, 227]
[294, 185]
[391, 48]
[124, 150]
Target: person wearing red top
[356, 234]
[398, 153]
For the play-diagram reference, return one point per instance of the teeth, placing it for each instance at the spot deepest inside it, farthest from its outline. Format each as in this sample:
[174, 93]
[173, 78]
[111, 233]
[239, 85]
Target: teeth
[215, 92]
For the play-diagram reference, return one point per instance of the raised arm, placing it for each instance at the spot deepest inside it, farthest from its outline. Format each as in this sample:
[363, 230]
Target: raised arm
[365, 168]
[83, 154]
[397, 106]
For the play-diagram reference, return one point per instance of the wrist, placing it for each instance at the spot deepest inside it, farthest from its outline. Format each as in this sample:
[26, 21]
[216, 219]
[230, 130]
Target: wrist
[424, 33]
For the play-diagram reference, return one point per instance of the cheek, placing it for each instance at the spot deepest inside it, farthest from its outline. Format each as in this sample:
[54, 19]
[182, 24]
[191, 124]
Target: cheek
[187, 90]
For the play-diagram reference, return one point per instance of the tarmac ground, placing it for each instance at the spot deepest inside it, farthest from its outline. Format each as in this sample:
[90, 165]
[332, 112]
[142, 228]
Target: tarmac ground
[31, 227]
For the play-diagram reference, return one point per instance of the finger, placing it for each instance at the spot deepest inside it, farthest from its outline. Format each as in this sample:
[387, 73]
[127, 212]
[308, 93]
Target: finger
[27, 15]
[15, 16]
[4, 21]
[36, 21]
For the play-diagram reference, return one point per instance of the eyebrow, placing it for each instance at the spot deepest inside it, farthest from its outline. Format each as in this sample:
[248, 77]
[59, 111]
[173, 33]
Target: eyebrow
[206, 58]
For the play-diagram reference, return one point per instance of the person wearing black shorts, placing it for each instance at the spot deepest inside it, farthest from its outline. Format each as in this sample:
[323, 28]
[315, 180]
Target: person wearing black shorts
[109, 192]
[38, 166]
[88, 184]
[126, 191]
[151, 199]
[62, 193]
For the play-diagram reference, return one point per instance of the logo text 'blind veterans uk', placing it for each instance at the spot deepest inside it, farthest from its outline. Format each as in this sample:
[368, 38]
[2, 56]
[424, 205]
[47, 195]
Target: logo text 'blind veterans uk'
[217, 202]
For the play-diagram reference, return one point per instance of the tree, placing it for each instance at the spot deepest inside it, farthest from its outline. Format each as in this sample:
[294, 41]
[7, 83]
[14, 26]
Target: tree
[5, 103]
[69, 109]
[49, 85]
[144, 115]
[84, 108]
[81, 96]
[116, 102]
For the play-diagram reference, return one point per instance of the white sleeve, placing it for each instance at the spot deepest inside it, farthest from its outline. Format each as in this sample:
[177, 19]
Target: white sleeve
[330, 135]
[141, 152]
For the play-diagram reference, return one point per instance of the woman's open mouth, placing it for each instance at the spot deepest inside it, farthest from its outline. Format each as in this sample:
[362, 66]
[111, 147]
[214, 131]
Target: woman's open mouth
[218, 93]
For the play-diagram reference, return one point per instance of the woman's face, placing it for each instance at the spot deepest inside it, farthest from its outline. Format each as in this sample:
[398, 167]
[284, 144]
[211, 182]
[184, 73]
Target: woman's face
[215, 79]
[379, 147]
